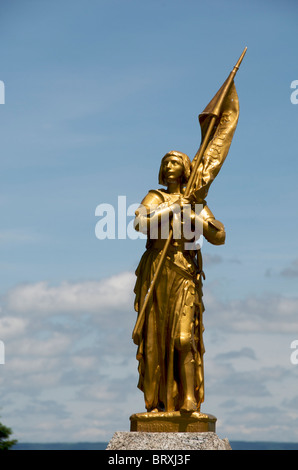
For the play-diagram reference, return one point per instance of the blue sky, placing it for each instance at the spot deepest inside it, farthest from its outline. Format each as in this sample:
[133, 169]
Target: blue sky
[96, 92]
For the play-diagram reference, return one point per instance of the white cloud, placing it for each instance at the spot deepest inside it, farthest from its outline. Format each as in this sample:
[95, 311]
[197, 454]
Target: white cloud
[268, 313]
[70, 344]
[11, 326]
[88, 296]
[53, 346]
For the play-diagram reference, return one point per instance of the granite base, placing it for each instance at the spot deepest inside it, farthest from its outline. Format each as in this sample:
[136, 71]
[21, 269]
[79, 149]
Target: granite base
[167, 441]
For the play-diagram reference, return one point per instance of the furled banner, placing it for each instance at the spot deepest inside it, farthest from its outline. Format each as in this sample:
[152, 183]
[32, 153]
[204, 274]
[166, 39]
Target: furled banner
[227, 113]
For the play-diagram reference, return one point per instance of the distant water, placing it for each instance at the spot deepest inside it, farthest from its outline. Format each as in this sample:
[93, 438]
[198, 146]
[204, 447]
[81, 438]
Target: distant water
[61, 446]
[245, 445]
[236, 445]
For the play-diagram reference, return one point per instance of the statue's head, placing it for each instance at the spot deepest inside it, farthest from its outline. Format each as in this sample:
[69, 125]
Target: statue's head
[184, 161]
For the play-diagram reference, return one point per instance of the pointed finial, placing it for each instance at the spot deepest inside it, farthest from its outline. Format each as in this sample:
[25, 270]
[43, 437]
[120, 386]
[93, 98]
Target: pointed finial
[240, 59]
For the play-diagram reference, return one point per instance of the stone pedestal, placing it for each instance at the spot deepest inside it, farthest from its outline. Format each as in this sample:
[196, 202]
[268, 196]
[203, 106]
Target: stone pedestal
[183, 441]
[172, 422]
[169, 431]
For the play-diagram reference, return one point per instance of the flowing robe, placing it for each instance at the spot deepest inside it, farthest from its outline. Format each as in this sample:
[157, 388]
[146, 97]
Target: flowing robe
[173, 316]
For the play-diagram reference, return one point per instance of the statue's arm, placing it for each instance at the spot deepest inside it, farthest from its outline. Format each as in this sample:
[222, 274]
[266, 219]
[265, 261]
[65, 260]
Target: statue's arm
[152, 211]
[213, 230]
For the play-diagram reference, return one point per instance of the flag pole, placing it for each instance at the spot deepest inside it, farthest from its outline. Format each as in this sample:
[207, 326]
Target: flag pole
[216, 110]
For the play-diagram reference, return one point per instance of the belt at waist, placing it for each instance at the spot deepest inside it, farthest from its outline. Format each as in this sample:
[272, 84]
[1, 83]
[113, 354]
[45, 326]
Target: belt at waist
[175, 245]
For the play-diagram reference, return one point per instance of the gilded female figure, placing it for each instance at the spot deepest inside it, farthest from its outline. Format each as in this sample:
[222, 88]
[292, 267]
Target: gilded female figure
[170, 345]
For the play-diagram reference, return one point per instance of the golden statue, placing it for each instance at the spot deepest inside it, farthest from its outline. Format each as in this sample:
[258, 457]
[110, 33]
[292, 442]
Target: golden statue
[170, 351]
[168, 289]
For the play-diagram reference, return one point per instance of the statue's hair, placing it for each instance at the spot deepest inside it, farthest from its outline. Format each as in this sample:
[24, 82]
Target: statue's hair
[186, 163]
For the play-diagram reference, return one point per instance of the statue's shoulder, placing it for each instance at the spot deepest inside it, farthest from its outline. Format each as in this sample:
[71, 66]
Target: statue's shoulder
[154, 196]
[206, 212]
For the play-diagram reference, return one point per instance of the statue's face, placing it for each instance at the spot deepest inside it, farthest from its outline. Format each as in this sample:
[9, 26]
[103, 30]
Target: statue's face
[172, 168]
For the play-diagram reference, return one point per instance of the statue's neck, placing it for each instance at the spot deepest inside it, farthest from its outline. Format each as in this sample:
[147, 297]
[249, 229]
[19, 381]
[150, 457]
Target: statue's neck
[174, 187]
